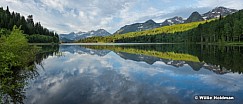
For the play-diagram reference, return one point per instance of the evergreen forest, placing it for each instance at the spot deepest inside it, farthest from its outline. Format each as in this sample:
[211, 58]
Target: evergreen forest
[34, 32]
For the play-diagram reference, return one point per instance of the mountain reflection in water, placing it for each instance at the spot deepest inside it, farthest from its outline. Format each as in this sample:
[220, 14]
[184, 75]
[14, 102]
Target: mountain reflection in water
[135, 74]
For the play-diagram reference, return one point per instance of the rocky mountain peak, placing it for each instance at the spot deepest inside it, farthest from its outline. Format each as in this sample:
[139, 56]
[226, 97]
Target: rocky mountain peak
[150, 22]
[172, 21]
[216, 12]
[195, 16]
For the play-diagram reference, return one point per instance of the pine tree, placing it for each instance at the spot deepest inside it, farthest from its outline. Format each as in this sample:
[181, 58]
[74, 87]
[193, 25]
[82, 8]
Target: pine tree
[227, 31]
[237, 29]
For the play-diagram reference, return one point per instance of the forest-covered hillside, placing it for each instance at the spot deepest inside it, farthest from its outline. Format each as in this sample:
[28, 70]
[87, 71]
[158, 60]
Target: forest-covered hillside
[157, 33]
[34, 32]
[223, 29]
[227, 29]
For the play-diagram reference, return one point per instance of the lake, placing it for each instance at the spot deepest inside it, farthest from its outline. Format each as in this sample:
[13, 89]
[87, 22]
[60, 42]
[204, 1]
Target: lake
[137, 74]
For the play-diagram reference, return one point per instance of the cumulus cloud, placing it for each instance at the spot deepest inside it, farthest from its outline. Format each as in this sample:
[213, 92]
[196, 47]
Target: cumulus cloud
[84, 15]
[235, 4]
[67, 16]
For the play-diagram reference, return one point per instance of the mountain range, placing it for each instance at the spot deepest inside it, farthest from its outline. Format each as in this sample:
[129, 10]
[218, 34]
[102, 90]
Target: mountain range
[195, 16]
[150, 24]
[72, 37]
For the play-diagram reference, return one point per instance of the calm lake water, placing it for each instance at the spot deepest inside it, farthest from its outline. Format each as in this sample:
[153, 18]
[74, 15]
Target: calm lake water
[136, 74]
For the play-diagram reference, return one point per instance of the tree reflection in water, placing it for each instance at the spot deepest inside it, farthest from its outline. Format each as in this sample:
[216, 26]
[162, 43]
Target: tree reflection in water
[220, 59]
[18, 68]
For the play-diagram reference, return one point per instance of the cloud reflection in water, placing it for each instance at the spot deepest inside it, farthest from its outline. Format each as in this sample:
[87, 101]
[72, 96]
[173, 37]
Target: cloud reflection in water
[110, 79]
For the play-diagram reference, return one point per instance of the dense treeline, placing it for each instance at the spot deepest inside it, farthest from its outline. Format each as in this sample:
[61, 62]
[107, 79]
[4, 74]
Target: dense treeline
[228, 29]
[35, 32]
[224, 29]
[36, 38]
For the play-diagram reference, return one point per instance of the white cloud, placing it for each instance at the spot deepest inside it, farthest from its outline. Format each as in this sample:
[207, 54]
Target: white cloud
[67, 16]
[84, 15]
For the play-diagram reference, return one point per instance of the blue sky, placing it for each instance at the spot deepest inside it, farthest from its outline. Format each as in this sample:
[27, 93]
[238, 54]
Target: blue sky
[64, 16]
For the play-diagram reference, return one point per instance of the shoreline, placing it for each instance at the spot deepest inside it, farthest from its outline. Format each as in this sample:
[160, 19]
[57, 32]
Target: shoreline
[44, 43]
[115, 43]
[222, 44]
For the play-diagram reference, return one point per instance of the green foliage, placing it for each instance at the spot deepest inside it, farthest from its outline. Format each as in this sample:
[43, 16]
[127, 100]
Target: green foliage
[12, 49]
[36, 38]
[8, 20]
[16, 56]
[227, 29]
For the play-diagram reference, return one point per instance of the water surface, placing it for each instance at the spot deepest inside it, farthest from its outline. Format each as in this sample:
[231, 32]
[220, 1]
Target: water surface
[137, 74]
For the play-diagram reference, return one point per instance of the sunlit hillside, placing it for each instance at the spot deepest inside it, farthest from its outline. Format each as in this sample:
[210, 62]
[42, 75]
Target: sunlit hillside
[156, 31]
